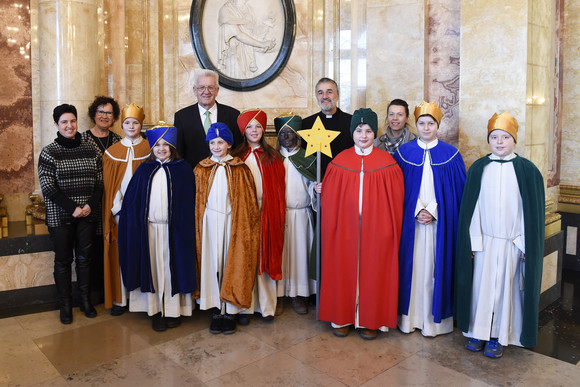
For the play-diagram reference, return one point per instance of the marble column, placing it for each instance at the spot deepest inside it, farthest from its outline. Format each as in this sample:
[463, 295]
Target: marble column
[68, 60]
[571, 97]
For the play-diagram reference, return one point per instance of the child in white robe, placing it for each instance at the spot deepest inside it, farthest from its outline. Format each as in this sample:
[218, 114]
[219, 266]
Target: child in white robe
[299, 232]
[156, 234]
[228, 231]
[503, 212]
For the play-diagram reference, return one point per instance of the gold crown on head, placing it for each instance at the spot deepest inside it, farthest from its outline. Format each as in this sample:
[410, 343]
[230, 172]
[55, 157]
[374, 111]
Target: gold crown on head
[430, 108]
[505, 122]
[133, 111]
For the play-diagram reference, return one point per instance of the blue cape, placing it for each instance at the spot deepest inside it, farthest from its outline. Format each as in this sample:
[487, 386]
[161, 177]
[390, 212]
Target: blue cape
[449, 179]
[133, 237]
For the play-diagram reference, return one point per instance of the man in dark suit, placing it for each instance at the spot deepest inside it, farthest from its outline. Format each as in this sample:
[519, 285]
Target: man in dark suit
[332, 118]
[193, 121]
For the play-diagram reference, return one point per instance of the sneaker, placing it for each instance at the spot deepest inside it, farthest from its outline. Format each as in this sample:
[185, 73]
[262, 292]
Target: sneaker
[229, 324]
[474, 345]
[493, 349]
[300, 305]
[217, 324]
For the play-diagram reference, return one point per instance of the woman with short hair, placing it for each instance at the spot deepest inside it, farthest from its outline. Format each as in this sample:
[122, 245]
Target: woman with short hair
[71, 180]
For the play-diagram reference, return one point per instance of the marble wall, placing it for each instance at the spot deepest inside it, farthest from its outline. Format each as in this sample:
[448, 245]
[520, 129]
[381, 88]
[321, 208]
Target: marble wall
[493, 70]
[571, 95]
[16, 129]
[395, 64]
[442, 64]
[474, 57]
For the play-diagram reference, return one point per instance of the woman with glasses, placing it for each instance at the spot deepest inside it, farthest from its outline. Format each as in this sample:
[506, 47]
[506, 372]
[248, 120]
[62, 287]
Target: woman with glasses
[104, 111]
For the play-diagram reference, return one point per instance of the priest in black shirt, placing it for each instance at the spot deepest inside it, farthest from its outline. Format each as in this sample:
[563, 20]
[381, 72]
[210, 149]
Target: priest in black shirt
[332, 118]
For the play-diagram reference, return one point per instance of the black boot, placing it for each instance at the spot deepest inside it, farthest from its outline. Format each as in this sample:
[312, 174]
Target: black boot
[62, 280]
[85, 236]
[83, 282]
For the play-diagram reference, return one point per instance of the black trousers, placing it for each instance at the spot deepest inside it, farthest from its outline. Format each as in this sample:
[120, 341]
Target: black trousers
[74, 240]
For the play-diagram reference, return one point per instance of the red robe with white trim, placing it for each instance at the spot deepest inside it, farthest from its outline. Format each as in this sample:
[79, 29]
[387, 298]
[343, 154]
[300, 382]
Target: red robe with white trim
[361, 251]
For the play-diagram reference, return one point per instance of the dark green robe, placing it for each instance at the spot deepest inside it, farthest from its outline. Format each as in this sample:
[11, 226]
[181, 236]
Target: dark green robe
[531, 185]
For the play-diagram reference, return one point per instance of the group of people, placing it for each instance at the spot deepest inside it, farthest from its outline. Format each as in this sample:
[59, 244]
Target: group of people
[207, 212]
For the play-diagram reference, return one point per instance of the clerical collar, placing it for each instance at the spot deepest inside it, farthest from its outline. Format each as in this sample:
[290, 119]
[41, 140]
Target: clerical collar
[128, 143]
[430, 145]
[328, 116]
[508, 157]
[288, 152]
[363, 151]
[227, 157]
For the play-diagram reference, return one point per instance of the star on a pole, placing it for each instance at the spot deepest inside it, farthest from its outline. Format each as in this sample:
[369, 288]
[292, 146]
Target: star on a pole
[318, 138]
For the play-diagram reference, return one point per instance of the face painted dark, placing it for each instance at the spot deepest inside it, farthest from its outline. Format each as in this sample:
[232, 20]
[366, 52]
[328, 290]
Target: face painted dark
[288, 138]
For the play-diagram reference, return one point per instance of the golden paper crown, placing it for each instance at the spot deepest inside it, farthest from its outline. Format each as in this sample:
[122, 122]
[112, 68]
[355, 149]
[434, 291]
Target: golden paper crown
[430, 108]
[133, 111]
[503, 121]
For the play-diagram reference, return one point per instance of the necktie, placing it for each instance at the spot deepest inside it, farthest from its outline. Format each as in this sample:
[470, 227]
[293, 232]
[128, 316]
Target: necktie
[207, 122]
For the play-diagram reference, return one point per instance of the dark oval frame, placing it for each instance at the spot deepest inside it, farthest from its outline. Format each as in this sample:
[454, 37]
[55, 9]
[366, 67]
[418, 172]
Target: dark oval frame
[195, 27]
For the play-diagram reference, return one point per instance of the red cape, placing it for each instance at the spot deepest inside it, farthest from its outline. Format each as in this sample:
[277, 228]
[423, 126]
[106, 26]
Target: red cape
[361, 247]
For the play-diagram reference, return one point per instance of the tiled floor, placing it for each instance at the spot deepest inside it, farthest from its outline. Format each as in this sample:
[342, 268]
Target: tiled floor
[292, 351]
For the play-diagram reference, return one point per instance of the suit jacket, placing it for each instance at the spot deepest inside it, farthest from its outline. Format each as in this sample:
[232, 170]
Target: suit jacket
[191, 143]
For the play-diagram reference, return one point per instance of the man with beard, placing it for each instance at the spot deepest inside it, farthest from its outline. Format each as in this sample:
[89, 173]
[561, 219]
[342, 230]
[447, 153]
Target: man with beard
[332, 118]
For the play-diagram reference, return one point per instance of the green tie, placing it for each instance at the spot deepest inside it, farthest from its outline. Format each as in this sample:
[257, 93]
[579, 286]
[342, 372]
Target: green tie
[207, 122]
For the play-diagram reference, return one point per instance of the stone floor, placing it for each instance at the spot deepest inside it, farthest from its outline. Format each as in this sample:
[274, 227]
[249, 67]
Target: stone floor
[559, 324]
[292, 351]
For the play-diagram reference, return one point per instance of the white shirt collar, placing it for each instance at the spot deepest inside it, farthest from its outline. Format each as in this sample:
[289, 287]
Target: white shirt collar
[430, 145]
[212, 111]
[128, 143]
[227, 157]
[363, 152]
[508, 157]
[288, 152]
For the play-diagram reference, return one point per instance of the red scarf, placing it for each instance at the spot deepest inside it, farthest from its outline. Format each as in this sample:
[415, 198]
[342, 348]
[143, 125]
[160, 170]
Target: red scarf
[273, 212]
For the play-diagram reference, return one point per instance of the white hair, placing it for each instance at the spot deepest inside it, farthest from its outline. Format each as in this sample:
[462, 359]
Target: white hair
[205, 73]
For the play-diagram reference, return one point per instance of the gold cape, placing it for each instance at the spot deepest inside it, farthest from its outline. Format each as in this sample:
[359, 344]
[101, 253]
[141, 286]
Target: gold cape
[242, 257]
[113, 172]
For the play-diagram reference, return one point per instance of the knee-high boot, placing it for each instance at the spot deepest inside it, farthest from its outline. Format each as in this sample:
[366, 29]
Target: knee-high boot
[83, 269]
[62, 280]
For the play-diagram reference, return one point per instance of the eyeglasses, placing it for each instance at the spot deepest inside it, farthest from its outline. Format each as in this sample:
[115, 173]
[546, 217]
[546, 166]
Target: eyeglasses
[211, 89]
[102, 112]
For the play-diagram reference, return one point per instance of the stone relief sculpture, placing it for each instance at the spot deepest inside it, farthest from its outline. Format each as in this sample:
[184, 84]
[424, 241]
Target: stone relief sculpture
[247, 42]
[241, 38]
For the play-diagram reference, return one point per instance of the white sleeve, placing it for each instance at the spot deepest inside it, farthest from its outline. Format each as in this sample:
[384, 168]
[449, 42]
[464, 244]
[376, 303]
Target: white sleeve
[475, 230]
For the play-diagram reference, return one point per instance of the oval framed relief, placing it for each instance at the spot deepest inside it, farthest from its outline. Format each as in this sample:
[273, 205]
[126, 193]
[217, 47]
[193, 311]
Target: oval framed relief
[247, 42]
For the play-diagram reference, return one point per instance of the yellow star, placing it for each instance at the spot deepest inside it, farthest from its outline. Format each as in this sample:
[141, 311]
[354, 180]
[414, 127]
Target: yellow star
[318, 138]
